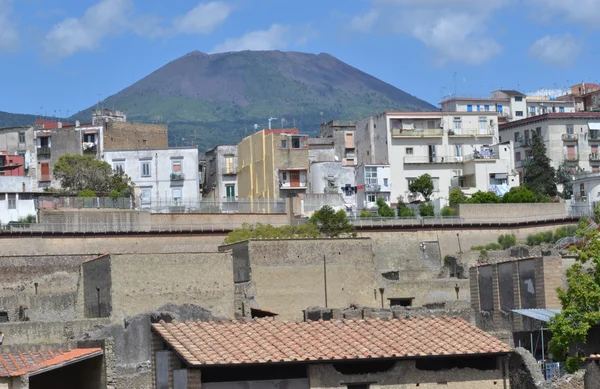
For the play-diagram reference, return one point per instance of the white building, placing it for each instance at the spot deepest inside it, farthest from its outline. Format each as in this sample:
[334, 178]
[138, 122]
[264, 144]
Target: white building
[456, 148]
[572, 138]
[510, 105]
[586, 194]
[162, 176]
[372, 182]
[16, 198]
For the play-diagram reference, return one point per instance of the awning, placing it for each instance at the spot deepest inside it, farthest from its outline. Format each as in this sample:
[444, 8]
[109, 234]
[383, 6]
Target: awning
[540, 314]
[594, 125]
[500, 176]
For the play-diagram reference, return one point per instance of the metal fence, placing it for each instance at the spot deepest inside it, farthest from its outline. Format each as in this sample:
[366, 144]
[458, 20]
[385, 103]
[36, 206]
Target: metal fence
[64, 202]
[158, 205]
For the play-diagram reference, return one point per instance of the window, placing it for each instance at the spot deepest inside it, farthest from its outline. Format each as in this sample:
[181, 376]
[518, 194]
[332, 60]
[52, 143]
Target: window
[518, 156]
[519, 113]
[230, 191]
[12, 201]
[409, 181]
[482, 123]
[500, 108]
[538, 132]
[459, 150]
[2, 197]
[358, 386]
[177, 194]
[89, 138]
[176, 167]
[526, 134]
[469, 108]
[457, 123]
[371, 175]
[409, 151]
[561, 109]
[517, 136]
[532, 110]
[371, 198]
[119, 167]
[385, 182]
[284, 144]
[478, 108]
[436, 184]
[518, 98]
[401, 302]
[486, 107]
[146, 196]
[296, 144]
[144, 142]
[284, 176]
[595, 169]
[570, 129]
[145, 168]
[21, 137]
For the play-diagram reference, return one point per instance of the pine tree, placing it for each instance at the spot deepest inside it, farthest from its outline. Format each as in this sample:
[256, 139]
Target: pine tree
[539, 174]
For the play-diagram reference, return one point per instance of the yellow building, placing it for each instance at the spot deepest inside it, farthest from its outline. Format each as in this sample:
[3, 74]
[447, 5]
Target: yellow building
[273, 164]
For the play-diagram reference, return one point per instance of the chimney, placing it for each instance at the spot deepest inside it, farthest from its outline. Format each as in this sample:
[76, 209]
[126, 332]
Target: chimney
[59, 124]
[77, 124]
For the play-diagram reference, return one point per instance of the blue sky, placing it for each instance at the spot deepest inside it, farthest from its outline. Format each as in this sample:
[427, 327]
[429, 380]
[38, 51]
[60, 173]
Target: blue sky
[64, 55]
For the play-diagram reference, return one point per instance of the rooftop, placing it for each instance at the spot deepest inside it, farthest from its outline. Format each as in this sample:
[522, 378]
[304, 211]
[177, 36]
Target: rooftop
[14, 365]
[551, 116]
[268, 341]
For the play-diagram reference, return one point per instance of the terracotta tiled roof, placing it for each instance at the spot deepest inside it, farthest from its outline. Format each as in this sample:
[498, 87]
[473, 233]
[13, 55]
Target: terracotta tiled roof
[266, 340]
[13, 365]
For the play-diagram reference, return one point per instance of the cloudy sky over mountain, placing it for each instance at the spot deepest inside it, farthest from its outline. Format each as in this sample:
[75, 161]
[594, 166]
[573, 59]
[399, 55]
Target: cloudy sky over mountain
[64, 55]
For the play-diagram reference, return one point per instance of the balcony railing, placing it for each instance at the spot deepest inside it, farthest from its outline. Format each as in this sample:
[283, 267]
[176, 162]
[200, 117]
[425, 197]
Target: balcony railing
[348, 163]
[595, 157]
[431, 132]
[177, 177]
[526, 142]
[229, 170]
[89, 149]
[572, 157]
[45, 177]
[44, 152]
[569, 137]
[430, 159]
[471, 132]
[594, 135]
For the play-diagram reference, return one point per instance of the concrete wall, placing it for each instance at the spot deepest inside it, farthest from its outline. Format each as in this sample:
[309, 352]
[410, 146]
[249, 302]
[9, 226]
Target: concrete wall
[126, 136]
[16, 184]
[97, 287]
[142, 282]
[234, 220]
[267, 274]
[405, 373]
[48, 332]
[88, 219]
[40, 287]
[499, 211]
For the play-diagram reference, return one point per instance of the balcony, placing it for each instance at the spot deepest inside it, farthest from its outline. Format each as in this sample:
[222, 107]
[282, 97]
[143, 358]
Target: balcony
[426, 133]
[44, 152]
[526, 142]
[229, 170]
[572, 157]
[594, 135]
[89, 148]
[430, 159]
[594, 157]
[348, 163]
[570, 137]
[176, 177]
[469, 132]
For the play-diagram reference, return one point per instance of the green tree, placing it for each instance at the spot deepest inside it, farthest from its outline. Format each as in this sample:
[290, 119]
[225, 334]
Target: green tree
[456, 197]
[331, 223]
[403, 210]
[383, 209]
[78, 173]
[580, 304]
[426, 209]
[423, 185]
[564, 177]
[480, 197]
[448, 211]
[539, 174]
[87, 193]
[519, 194]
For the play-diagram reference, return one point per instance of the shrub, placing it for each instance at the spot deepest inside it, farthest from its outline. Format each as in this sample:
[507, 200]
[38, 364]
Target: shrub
[364, 213]
[477, 248]
[383, 209]
[507, 241]
[493, 246]
[406, 212]
[87, 193]
[520, 194]
[534, 240]
[456, 197]
[547, 236]
[563, 232]
[426, 209]
[484, 198]
[448, 211]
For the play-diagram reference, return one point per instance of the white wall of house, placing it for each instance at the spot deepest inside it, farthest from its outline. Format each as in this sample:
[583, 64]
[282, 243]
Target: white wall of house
[586, 194]
[373, 182]
[169, 175]
[14, 206]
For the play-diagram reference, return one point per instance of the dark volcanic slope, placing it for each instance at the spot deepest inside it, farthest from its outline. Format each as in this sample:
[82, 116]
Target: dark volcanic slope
[216, 97]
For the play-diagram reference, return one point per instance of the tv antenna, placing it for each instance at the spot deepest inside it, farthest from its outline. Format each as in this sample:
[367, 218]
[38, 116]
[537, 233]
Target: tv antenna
[270, 120]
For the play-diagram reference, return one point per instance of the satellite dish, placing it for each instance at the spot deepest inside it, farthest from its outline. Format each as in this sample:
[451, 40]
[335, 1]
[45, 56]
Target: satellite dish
[336, 158]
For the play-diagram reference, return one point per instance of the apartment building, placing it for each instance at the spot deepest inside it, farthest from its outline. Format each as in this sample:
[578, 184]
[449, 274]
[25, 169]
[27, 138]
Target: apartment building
[273, 164]
[342, 134]
[458, 149]
[572, 138]
[221, 174]
[510, 105]
[164, 178]
[373, 182]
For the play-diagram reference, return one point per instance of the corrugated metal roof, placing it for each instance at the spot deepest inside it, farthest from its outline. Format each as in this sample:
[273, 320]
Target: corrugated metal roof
[540, 314]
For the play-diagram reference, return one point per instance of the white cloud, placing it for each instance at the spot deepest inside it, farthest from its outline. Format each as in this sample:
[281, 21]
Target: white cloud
[277, 37]
[9, 36]
[204, 18]
[586, 12]
[455, 30]
[364, 23]
[560, 50]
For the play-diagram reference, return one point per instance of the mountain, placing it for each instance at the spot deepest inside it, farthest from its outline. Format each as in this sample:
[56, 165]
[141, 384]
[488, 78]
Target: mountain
[217, 98]
[16, 119]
